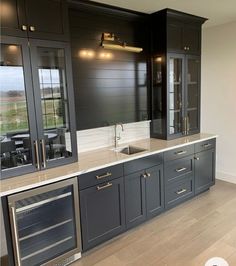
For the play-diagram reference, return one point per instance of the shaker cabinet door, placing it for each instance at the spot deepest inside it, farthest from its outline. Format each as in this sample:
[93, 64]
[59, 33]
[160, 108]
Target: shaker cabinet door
[204, 170]
[135, 201]
[102, 212]
[13, 19]
[47, 19]
[154, 191]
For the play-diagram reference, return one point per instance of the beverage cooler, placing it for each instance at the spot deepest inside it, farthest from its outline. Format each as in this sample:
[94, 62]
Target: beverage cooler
[45, 224]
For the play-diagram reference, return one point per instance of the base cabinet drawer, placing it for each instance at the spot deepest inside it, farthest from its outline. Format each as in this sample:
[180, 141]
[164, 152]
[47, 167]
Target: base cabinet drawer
[175, 169]
[100, 176]
[179, 191]
[102, 212]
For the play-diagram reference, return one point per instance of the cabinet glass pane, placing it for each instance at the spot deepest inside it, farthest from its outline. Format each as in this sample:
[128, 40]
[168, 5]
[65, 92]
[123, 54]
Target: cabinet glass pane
[14, 124]
[157, 106]
[193, 66]
[54, 102]
[175, 95]
[46, 225]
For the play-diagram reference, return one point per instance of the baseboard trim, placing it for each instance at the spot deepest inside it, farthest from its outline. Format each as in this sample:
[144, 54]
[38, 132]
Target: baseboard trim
[226, 177]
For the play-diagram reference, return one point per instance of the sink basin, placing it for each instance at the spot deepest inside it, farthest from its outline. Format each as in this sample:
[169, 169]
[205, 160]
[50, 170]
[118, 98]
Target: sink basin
[129, 150]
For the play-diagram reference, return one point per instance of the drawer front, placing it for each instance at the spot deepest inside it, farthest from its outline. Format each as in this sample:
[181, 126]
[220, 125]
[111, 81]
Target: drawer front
[142, 163]
[179, 152]
[205, 145]
[174, 170]
[100, 176]
[179, 191]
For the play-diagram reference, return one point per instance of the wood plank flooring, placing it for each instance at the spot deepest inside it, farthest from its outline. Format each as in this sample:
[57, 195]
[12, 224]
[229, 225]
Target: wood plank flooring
[187, 235]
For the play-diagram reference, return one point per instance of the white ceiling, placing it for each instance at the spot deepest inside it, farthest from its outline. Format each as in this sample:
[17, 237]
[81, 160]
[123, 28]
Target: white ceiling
[217, 11]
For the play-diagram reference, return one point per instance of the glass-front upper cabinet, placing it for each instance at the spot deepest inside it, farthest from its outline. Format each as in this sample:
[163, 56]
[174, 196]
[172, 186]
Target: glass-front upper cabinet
[175, 94]
[52, 86]
[192, 94]
[17, 121]
[37, 108]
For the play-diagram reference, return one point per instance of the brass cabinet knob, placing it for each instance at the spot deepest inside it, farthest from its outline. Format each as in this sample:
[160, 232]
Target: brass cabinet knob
[24, 27]
[32, 28]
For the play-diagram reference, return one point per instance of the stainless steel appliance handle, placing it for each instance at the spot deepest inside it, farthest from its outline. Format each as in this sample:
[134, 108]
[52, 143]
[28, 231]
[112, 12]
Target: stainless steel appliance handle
[42, 141]
[36, 148]
[17, 248]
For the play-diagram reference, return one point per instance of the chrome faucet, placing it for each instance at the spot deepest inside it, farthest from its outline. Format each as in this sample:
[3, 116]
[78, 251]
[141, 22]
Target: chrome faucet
[118, 137]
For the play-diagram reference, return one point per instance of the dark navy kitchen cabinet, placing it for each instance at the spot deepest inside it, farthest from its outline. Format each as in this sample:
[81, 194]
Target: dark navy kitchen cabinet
[175, 74]
[102, 212]
[144, 195]
[135, 200]
[205, 167]
[44, 19]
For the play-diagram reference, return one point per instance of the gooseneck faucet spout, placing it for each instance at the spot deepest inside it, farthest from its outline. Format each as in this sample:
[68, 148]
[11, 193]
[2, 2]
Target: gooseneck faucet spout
[118, 137]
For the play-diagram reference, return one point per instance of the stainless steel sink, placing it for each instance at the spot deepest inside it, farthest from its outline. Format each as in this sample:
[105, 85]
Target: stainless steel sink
[129, 150]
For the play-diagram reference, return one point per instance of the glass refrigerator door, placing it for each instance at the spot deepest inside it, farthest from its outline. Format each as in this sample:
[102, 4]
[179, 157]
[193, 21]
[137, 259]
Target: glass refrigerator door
[45, 223]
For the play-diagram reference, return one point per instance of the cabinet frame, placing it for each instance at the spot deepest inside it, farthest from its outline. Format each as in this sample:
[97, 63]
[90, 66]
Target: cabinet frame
[22, 11]
[29, 63]
[69, 85]
[23, 43]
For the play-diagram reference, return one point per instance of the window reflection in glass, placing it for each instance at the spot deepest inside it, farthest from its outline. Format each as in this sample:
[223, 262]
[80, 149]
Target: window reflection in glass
[53, 87]
[14, 125]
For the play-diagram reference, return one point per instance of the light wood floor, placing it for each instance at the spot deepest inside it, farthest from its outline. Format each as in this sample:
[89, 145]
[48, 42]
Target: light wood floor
[187, 235]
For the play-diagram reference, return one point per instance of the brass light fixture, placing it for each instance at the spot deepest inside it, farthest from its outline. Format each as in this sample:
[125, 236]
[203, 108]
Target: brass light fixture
[112, 42]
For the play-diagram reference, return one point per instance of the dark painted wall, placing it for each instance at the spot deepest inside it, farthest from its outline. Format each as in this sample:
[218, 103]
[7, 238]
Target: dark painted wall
[110, 86]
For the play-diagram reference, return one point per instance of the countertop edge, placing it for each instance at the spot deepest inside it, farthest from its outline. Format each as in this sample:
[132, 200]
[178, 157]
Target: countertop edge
[64, 177]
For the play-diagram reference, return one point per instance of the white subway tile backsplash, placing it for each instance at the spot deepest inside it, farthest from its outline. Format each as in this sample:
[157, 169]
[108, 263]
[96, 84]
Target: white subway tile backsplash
[96, 138]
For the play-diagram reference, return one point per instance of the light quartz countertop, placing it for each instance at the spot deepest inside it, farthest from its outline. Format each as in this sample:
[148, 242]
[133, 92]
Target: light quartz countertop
[94, 160]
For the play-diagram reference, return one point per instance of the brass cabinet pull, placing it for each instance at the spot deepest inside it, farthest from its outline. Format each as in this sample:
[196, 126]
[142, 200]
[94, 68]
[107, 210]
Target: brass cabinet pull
[206, 145]
[181, 191]
[104, 175]
[24, 27]
[36, 148]
[180, 169]
[42, 142]
[145, 175]
[197, 158]
[187, 125]
[15, 233]
[32, 28]
[103, 187]
[180, 152]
